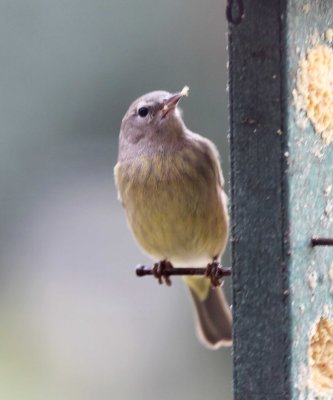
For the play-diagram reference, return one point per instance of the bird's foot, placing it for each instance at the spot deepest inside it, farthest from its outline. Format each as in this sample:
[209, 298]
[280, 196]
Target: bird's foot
[160, 272]
[213, 271]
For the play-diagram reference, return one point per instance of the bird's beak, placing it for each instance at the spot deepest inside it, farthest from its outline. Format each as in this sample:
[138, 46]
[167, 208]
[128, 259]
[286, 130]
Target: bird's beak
[170, 103]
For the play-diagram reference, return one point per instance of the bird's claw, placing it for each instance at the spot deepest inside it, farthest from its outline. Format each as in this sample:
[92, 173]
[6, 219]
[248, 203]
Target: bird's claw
[159, 271]
[213, 272]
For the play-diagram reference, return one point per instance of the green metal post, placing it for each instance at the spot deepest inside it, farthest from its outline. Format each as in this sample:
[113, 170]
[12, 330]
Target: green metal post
[281, 177]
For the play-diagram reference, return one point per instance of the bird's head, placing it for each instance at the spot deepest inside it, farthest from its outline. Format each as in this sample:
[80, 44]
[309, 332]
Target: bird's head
[153, 118]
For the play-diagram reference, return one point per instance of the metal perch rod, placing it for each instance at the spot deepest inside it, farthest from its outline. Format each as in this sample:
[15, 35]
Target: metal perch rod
[321, 241]
[142, 270]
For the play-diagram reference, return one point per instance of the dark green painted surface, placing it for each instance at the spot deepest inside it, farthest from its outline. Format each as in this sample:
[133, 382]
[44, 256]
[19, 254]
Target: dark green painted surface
[277, 200]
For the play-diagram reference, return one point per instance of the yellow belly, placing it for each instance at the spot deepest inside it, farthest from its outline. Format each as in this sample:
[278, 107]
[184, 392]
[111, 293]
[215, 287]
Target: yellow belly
[175, 208]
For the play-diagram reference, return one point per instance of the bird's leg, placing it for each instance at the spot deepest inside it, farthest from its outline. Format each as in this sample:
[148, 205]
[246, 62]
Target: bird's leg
[159, 271]
[212, 272]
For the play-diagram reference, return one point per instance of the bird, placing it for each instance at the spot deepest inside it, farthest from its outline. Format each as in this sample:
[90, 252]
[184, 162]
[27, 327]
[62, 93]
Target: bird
[170, 183]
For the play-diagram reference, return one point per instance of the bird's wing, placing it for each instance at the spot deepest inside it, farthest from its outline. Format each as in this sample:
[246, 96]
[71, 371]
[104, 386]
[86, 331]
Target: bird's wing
[213, 156]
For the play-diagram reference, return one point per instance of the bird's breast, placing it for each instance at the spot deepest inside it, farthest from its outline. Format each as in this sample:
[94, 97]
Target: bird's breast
[174, 204]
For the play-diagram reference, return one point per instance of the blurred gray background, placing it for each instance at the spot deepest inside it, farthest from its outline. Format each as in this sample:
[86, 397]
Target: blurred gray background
[76, 324]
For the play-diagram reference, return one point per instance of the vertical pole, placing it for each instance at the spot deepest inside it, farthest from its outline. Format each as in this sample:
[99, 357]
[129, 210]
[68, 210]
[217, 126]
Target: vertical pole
[308, 80]
[281, 172]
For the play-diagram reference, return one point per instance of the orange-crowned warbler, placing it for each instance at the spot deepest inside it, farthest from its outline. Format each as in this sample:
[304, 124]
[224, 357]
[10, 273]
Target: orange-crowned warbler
[170, 183]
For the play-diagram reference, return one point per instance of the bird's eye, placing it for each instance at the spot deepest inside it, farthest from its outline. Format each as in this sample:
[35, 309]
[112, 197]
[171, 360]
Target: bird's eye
[143, 111]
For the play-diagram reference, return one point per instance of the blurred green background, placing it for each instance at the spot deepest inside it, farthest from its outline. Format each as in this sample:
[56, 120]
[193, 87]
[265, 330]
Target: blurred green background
[76, 324]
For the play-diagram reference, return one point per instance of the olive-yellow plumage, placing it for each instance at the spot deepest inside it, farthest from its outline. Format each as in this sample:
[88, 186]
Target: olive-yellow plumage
[170, 182]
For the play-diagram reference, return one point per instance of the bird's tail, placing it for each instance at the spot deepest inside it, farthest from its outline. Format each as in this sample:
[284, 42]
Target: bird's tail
[214, 321]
